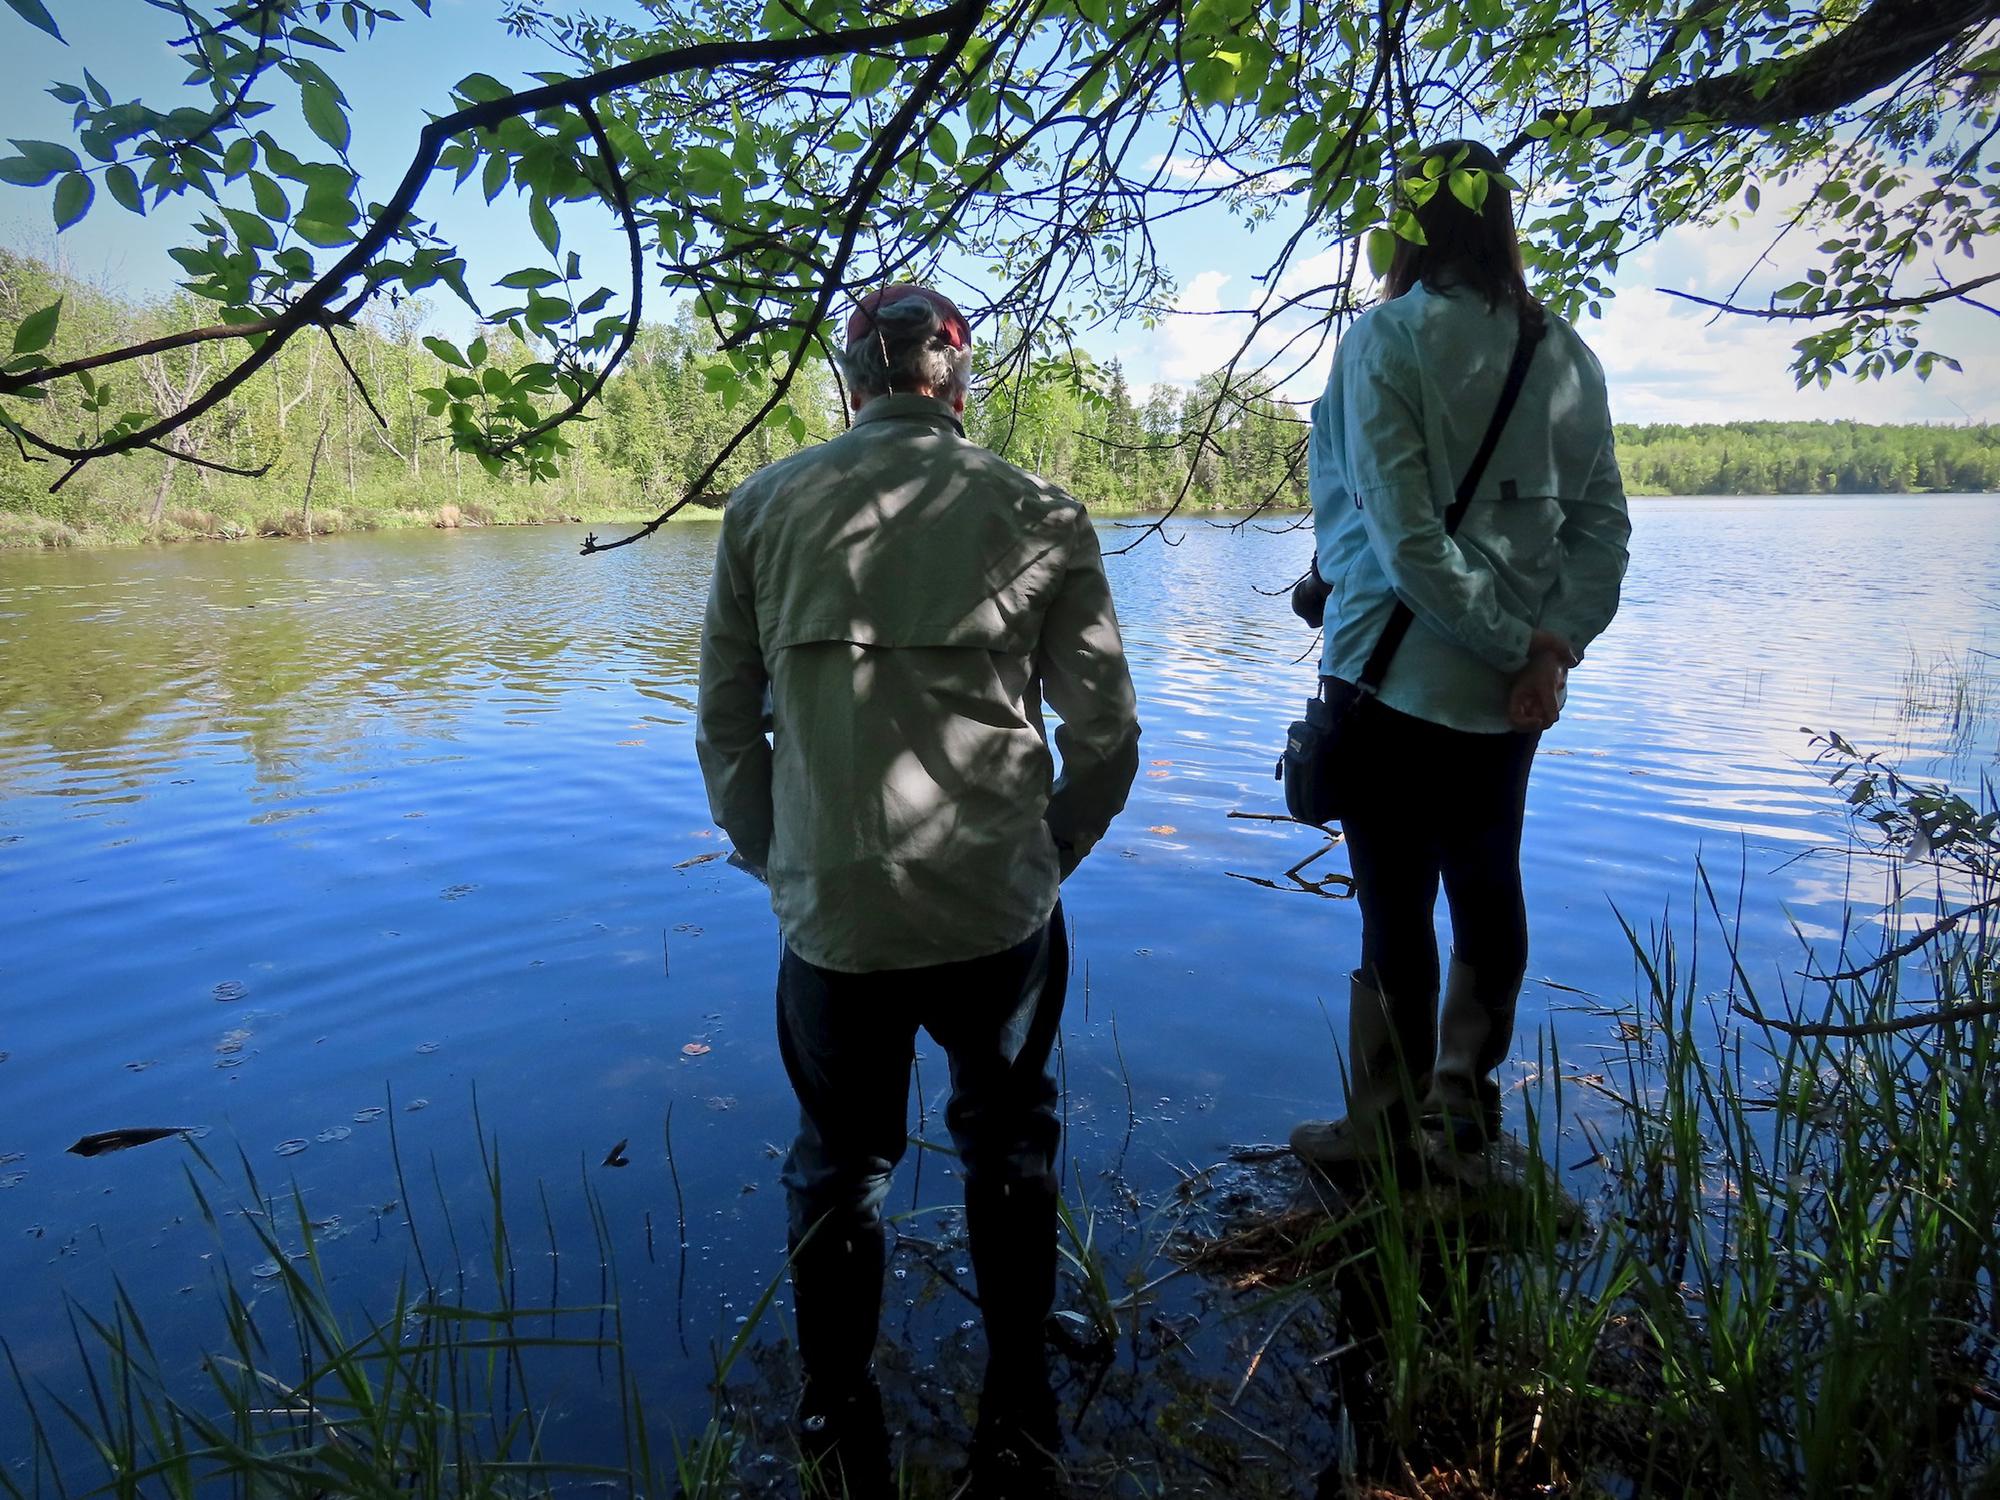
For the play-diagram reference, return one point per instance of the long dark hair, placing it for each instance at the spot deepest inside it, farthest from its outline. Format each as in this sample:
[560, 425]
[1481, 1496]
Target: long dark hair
[1478, 250]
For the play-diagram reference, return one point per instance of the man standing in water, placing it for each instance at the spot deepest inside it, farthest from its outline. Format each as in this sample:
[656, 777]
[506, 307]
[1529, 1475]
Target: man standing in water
[905, 601]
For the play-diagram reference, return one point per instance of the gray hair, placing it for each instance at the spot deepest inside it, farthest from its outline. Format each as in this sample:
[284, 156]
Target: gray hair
[906, 351]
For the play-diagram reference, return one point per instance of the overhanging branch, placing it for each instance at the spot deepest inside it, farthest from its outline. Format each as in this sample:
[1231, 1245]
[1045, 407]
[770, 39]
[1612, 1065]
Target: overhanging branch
[959, 18]
[1846, 309]
[1884, 42]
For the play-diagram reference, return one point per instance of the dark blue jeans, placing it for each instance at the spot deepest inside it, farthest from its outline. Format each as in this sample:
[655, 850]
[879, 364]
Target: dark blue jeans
[1443, 806]
[848, 1041]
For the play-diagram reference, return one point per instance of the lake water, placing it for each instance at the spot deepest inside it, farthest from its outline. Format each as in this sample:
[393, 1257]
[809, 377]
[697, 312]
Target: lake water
[292, 831]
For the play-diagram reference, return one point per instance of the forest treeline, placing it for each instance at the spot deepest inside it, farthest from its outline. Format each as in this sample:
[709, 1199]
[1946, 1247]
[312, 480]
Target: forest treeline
[343, 458]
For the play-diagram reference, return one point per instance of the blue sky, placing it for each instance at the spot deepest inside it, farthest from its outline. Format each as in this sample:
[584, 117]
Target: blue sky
[1667, 361]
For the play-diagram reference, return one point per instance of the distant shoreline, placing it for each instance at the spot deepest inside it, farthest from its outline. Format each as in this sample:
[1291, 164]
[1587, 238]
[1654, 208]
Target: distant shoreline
[27, 532]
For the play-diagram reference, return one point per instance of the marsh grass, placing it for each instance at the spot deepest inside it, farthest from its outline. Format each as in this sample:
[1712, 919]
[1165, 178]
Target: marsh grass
[1788, 1283]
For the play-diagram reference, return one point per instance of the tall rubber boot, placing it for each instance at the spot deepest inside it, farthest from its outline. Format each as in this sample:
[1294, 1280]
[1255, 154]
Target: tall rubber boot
[1474, 1033]
[1016, 1447]
[837, 1303]
[1385, 1038]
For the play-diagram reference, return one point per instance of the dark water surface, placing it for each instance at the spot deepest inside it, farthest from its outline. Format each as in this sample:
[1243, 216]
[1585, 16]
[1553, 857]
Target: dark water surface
[290, 831]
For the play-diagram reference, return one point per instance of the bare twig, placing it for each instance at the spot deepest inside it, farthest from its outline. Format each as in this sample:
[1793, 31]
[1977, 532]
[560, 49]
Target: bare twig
[1948, 1015]
[1903, 950]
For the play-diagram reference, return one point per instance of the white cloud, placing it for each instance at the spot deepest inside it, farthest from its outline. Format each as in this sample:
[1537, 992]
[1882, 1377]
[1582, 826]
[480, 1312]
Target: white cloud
[1668, 360]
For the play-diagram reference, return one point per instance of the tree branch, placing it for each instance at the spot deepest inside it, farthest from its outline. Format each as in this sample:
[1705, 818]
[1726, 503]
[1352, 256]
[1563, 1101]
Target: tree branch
[1884, 42]
[1903, 950]
[14, 384]
[1885, 304]
[1945, 1016]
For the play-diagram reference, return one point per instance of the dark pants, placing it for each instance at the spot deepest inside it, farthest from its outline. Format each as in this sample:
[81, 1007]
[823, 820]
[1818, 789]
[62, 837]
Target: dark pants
[1442, 805]
[848, 1041]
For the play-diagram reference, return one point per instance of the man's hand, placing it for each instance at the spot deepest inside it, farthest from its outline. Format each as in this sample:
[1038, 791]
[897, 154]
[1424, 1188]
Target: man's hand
[1534, 701]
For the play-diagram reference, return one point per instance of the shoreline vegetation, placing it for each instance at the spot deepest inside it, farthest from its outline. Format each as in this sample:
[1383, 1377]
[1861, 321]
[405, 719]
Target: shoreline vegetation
[344, 459]
[1782, 1283]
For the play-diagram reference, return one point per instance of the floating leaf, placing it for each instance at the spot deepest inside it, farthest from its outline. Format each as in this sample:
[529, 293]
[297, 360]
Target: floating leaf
[123, 1140]
[696, 1049]
[294, 1146]
[616, 1156]
[230, 990]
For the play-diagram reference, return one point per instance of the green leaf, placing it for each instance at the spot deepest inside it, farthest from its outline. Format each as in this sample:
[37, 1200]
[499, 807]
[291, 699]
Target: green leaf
[324, 114]
[527, 280]
[1469, 186]
[1302, 130]
[47, 159]
[239, 158]
[73, 198]
[252, 230]
[475, 352]
[322, 233]
[123, 184]
[868, 76]
[271, 202]
[544, 222]
[481, 88]
[1381, 251]
[445, 350]
[21, 172]
[495, 382]
[36, 15]
[495, 176]
[38, 330]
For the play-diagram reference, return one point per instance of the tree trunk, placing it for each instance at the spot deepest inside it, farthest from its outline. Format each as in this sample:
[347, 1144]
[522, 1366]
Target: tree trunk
[306, 507]
[166, 488]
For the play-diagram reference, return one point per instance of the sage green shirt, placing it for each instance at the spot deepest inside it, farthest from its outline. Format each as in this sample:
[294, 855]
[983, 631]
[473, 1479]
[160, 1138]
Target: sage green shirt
[904, 601]
[1414, 384]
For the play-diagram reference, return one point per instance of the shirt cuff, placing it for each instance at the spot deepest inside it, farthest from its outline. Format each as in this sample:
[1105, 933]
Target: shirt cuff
[1509, 650]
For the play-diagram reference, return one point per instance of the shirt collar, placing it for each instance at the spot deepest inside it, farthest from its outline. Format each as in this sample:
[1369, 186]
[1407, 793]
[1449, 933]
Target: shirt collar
[926, 409]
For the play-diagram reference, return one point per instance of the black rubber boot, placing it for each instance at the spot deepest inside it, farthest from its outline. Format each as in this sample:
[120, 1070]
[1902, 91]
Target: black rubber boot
[837, 1301]
[1017, 1446]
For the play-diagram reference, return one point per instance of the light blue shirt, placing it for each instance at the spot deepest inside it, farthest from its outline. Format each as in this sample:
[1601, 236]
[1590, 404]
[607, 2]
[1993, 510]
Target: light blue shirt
[1414, 384]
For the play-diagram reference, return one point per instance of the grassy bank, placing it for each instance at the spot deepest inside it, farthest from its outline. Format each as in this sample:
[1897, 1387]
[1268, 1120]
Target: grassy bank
[1782, 1283]
[244, 518]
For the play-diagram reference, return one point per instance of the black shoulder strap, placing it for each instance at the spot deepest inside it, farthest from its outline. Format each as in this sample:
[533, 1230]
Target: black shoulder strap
[1401, 617]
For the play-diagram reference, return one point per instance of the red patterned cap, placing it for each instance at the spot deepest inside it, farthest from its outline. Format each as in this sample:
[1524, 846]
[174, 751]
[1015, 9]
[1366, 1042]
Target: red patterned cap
[875, 309]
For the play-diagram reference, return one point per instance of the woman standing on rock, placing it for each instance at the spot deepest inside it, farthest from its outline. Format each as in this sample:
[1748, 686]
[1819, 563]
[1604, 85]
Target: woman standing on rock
[1498, 597]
